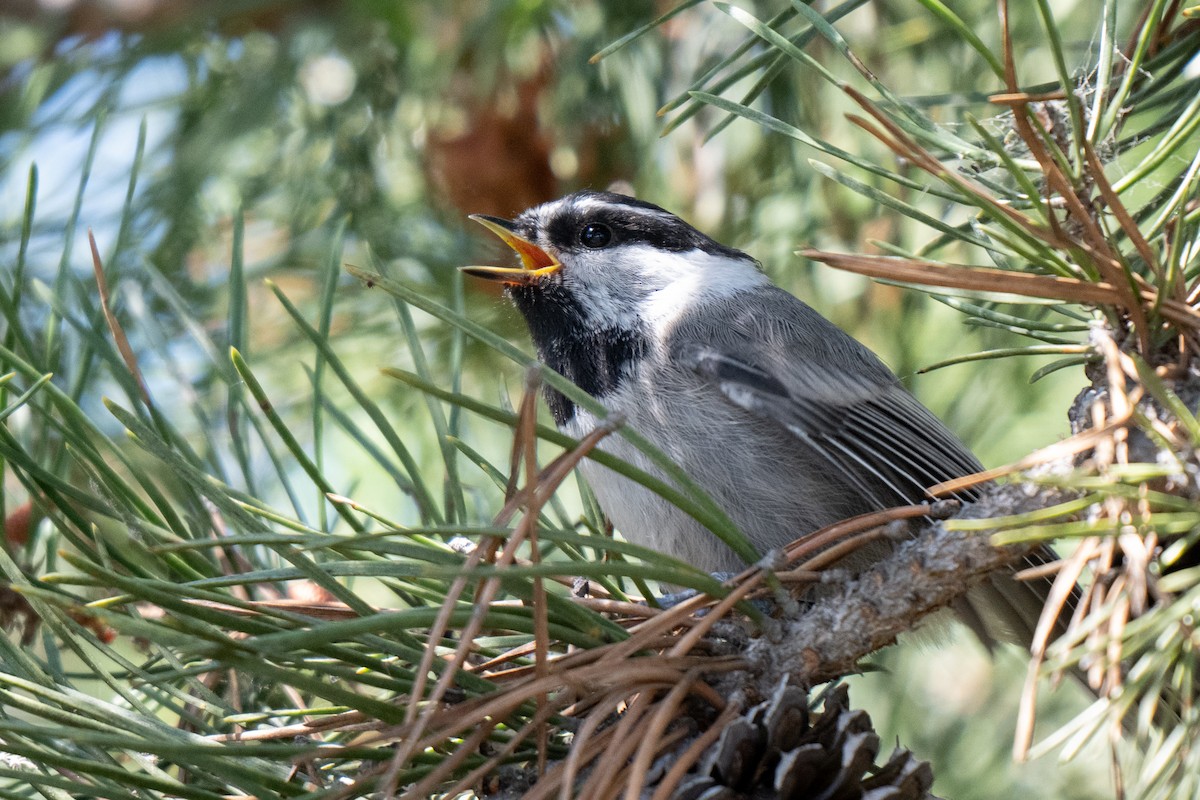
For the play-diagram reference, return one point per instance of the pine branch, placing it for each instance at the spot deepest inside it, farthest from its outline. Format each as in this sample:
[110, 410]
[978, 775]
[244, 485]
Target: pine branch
[924, 575]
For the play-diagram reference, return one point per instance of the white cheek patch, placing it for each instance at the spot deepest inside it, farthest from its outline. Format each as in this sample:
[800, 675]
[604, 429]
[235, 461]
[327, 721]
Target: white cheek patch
[674, 283]
[609, 285]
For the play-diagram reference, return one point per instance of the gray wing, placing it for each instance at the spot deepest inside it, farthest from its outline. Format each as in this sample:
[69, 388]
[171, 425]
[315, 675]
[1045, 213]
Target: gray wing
[778, 359]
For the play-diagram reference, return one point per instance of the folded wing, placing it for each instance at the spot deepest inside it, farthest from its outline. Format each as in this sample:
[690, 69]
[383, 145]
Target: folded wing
[832, 394]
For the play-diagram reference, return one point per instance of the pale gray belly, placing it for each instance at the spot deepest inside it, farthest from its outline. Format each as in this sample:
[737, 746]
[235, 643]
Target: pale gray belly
[765, 478]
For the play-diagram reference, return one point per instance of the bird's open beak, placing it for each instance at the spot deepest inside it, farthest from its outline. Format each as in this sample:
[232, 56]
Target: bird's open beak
[535, 262]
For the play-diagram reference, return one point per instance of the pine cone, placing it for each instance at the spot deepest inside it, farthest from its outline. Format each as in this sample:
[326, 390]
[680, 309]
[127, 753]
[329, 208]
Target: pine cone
[775, 750]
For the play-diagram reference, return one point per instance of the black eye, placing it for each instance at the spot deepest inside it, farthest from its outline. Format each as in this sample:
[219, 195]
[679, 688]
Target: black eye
[594, 235]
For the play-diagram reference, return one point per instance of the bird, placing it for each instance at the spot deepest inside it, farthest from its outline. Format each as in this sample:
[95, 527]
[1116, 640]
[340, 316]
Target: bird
[785, 420]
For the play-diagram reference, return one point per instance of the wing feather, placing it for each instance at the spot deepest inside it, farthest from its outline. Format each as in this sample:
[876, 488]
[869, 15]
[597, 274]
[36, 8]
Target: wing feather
[780, 361]
[787, 364]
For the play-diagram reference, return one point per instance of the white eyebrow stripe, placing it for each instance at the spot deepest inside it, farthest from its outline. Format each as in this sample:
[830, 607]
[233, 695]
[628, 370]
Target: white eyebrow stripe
[586, 204]
[582, 206]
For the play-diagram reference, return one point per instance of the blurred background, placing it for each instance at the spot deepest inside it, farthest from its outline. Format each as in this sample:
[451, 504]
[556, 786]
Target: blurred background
[279, 140]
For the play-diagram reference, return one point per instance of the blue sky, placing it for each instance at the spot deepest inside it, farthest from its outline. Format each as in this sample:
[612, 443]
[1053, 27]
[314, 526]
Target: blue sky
[61, 132]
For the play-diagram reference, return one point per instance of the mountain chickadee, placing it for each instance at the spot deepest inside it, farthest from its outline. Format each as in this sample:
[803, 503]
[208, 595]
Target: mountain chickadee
[786, 421]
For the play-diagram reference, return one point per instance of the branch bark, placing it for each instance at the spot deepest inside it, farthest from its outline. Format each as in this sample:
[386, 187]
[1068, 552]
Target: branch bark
[924, 575]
